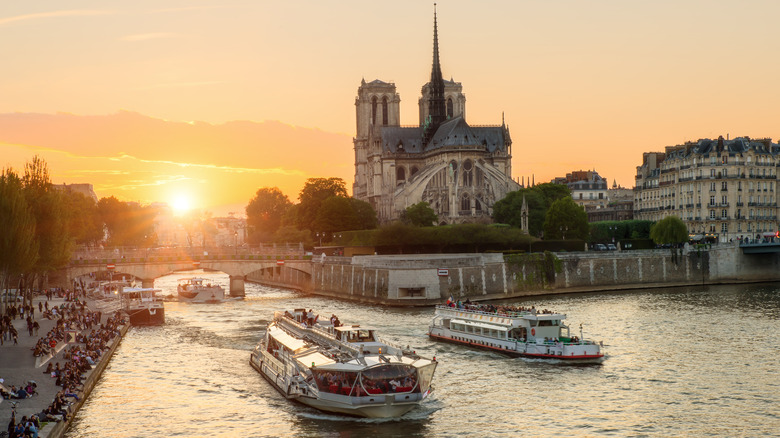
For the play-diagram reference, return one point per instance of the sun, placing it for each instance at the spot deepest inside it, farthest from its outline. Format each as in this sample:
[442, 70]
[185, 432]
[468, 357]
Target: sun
[181, 204]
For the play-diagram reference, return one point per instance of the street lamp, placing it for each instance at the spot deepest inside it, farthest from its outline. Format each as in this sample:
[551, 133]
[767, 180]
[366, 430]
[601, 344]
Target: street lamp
[563, 230]
[612, 230]
[235, 234]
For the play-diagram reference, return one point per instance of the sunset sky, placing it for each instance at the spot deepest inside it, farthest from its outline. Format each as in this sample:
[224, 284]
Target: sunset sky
[233, 95]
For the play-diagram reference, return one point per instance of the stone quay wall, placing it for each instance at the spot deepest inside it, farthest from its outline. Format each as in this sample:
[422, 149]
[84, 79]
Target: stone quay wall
[416, 280]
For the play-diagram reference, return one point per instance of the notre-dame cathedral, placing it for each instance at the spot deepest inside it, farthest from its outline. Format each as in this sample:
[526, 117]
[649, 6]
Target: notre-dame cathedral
[459, 170]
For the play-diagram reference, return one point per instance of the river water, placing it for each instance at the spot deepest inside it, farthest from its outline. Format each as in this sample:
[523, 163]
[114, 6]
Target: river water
[697, 361]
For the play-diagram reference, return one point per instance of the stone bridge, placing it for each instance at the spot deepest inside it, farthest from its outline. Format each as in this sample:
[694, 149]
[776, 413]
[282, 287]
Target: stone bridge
[146, 266]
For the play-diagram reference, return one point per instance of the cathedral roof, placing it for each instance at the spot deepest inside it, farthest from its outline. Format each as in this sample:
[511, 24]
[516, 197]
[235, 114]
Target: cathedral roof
[452, 133]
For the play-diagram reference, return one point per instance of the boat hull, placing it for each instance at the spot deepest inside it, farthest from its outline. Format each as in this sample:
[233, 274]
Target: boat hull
[145, 316]
[516, 351]
[375, 406]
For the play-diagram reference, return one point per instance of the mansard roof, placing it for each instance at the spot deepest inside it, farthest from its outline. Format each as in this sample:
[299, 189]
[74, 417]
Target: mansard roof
[452, 133]
[737, 146]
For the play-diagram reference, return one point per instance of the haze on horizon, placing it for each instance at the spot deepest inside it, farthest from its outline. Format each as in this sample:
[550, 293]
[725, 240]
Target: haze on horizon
[233, 96]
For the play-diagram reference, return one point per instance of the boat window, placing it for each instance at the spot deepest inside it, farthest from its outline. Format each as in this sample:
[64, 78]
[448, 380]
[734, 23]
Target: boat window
[545, 323]
[334, 382]
[388, 379]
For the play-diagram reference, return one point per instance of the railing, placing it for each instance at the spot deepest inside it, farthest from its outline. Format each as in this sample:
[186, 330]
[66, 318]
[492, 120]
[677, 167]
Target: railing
[133, 254]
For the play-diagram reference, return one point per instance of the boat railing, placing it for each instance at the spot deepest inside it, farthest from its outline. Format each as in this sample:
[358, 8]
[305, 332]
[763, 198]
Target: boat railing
[482, 312]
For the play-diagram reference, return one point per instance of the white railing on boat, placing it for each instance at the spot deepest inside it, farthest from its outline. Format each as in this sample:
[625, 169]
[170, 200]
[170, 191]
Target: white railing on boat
[481, 312]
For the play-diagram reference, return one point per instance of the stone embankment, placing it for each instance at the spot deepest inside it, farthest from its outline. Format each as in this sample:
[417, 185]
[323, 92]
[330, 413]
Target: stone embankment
[18, 366]
[421, 280]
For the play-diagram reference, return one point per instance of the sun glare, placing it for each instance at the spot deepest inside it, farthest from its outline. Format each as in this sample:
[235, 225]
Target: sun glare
[181, 204]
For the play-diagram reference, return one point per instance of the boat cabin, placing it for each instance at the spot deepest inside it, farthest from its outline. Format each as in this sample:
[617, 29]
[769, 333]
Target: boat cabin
[355, 334]
[143, 294]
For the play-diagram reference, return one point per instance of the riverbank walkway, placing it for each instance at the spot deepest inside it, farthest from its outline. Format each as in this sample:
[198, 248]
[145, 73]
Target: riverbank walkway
[18, 366]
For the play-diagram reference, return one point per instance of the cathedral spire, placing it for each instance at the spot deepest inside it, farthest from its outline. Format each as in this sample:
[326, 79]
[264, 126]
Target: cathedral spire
[437, 109]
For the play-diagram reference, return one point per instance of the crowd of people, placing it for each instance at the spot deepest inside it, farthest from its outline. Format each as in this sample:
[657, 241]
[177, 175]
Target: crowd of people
[88, 341]
[500, 310]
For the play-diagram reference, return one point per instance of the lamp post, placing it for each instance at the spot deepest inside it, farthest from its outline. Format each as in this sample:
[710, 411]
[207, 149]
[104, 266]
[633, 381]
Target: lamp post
[563, 230]
[320, 236]
[612, 230]
[235, 235]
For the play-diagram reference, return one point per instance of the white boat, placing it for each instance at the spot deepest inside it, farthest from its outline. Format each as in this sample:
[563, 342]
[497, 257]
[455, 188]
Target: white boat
[526, 332]
[194, 290]
[340, 369]
[142, 305]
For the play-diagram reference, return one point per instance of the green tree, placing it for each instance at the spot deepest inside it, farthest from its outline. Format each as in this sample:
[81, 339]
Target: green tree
[565, 219]
[264, 213]
[313, 194]
[508, 210]
[669, 230]
[83, 219]
[18, 243]
[55, 245]
[365, 216]
[551, 192]
[128, 224]
[420, 214]
[338, 213]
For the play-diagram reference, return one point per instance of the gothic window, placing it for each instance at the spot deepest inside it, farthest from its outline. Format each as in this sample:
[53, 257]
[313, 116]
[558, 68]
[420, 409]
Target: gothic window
[454, 170]
[468, 173]
[384, 111]
[373, 110]
[400, 175]
[477, 204]
[465, 203]
[449, 108]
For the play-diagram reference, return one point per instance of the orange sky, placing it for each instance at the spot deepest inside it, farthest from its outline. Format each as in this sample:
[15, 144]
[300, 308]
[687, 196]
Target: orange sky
[582, 84]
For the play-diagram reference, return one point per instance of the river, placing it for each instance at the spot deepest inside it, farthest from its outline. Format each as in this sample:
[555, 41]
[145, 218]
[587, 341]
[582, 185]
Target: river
[695, 361]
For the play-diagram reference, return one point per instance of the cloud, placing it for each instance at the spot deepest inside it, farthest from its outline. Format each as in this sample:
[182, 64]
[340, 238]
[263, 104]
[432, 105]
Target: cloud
[54, 14]
[181, 85]
[150, 36]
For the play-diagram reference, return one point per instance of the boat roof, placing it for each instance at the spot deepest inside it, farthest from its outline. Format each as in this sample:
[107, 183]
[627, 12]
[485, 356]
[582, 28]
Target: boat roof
[288, 341]
[316, 359]
[366, 362]
[545, 316]
[349, 328]
[496, 326]
[192, 279]
[128, 290]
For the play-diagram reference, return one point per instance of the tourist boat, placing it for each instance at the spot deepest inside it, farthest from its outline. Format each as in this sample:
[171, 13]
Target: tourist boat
[194, 291]
[142, 305]
[340, 369]
[527, 333]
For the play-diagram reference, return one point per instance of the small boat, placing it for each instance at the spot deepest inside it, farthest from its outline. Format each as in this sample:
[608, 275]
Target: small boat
[340, 369]
[194, 291]
[142, 305]
[516, 332]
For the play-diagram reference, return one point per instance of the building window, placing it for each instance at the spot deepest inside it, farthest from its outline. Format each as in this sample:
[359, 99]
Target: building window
[724, 227]
[400, 175]
[724, 159]
[724, 200]
[468, 173]
[724, 213]
[712, 173]
[712, 200]
[712, 187]
[724, 185]
[465, 203]
[712, 214]
[373, 110]
[384, 111]
[450, 110]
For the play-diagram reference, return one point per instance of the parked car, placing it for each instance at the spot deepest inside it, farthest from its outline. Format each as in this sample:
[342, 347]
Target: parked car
[599, 247]
[611, 247]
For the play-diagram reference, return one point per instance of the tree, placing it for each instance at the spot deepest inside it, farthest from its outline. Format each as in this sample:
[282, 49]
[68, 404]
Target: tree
[669, 230]
[508, 210]
[551, 192]
[18, 244]
[419, 215]
[338, 213]
[313, 194]
[83, 219]
[48, 206]
[264, 213]
[127, 223]
[566, 219]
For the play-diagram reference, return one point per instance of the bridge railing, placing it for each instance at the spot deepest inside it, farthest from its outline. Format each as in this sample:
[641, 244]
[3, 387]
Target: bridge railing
[141, 255]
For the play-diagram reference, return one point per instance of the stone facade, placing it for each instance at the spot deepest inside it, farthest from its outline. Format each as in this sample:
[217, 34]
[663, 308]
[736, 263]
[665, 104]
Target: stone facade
[722, 189]
[458, 169]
